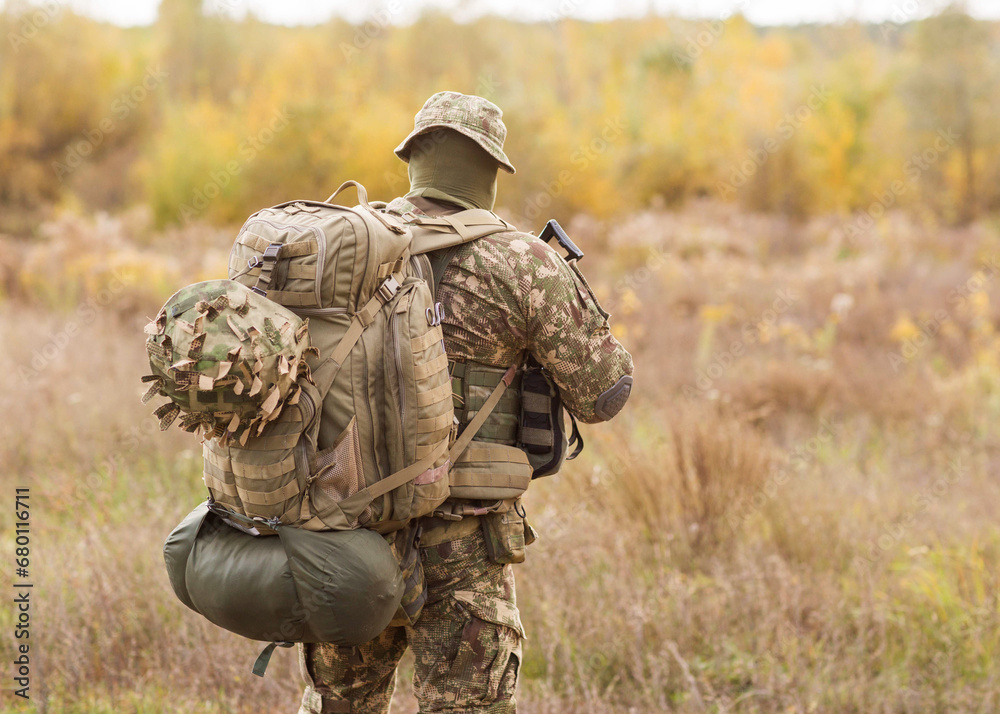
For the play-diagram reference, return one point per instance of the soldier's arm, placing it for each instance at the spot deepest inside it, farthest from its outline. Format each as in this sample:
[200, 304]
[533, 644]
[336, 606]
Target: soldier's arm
[568, 333]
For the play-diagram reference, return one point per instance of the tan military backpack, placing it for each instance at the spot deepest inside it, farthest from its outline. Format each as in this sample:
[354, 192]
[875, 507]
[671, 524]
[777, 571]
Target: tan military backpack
[378, 449]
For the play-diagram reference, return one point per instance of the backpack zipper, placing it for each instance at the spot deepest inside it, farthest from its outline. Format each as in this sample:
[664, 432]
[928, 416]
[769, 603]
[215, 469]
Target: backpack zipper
[393, 327]
[371, 417]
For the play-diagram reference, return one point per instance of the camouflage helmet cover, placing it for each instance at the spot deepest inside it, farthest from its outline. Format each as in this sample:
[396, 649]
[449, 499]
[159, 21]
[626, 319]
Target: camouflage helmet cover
[228, 359]
[475, 117]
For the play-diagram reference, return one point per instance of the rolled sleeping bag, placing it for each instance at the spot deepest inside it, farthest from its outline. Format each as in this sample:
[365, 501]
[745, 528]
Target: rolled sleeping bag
[341, 587]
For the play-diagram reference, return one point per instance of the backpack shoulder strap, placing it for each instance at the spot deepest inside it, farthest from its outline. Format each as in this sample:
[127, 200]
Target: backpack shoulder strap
[355, 504]
[439, 262]
[431, 233]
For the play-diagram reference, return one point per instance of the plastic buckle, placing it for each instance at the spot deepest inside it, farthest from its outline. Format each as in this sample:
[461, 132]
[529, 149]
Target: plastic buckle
[272, 251]
[389, 288]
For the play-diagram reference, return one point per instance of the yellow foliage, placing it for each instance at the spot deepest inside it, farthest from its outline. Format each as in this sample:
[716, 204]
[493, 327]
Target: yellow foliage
[714, 314]
[603, 118]
[904, 329]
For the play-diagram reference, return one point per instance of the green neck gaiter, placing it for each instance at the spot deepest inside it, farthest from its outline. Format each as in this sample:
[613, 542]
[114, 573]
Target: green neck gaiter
[449, 166]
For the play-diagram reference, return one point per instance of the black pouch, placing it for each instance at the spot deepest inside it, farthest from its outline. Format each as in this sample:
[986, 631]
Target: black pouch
[507, 534]
[542, 430]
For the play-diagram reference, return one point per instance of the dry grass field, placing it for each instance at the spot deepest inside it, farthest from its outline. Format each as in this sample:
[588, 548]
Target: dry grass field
[795, 513]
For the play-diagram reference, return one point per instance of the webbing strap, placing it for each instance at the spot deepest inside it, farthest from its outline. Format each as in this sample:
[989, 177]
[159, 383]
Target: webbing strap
[493, 479]
[276, 442]
[269, 498]
[433, 396]
[293, 298]
[535, 402]
[536, 437]
[426, 369]
[218, 460]
[219, 485]
[380, 488]
[260, 472]
[353, 506]
[439, 263]
[364, 317]
[264, 658]
[469, 225]
[473, 426]
[431, 424]
[295, 272]
[270, 259]
[422, 342]
[288, 250]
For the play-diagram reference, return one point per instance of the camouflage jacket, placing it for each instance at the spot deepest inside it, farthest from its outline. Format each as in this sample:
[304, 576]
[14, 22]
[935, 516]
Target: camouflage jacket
[511, 293]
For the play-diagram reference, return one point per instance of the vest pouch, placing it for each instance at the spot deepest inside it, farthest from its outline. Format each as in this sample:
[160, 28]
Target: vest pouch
[490, 472]
[542, 430]
[507, 533]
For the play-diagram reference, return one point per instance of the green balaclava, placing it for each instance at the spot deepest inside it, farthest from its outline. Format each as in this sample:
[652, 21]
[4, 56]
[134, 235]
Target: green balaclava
[449, 166]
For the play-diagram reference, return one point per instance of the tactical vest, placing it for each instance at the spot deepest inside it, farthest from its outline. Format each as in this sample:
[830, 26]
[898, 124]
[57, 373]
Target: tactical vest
[522, 438]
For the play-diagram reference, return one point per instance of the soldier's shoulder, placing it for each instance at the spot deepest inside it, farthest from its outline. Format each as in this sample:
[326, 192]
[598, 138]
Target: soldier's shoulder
[519, 246]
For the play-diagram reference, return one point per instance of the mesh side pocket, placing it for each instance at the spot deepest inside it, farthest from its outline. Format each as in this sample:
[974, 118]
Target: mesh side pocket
[338, 474]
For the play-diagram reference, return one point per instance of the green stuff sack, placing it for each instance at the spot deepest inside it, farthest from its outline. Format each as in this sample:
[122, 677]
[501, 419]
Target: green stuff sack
[298, 586]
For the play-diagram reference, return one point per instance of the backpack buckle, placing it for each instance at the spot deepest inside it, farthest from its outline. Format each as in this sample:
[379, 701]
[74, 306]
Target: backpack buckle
[272, 251]
[388, 288]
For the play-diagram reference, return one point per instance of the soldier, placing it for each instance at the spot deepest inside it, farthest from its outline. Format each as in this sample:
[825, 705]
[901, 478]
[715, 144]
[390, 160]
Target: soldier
[505, 297]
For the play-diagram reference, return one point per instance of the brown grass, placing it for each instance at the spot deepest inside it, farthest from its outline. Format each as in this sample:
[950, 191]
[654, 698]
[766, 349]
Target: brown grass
[813, 531]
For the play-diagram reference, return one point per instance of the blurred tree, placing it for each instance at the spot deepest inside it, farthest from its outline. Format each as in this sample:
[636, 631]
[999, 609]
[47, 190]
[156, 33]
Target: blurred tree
[602, 117]
[952, 87]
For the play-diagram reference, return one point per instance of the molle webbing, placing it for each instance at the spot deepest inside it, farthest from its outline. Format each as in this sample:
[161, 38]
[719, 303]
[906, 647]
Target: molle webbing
[472, 384]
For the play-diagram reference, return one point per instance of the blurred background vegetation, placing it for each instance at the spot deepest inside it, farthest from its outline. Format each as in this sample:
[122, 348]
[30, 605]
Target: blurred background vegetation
[631, 113]
[796, 230]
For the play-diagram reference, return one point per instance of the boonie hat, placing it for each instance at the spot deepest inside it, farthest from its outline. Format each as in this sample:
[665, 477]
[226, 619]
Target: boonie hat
[475, 117]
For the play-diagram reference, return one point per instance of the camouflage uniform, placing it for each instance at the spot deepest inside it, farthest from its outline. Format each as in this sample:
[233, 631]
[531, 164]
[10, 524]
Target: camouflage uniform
[467, 643]
[504, 296]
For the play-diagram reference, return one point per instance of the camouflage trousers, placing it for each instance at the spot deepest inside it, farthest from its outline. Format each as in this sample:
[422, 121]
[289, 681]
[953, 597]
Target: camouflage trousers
[466, 644]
